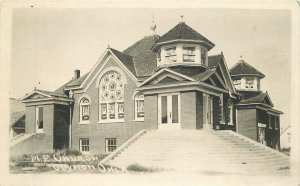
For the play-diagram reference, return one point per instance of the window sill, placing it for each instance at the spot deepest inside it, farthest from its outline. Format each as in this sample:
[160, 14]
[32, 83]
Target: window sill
[231, 124]
[222, 123]
[138, 120]
[276, 128]
[83, 123]
[111, 121]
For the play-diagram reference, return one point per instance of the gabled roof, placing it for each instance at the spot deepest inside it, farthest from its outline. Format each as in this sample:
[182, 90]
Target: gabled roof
[143, 57]
[263, 97]
[183, 32]
[44, 94]
[243, 68]
[126, 60]
[214, 60]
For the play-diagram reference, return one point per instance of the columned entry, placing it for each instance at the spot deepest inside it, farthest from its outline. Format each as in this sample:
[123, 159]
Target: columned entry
[39, 119]
[207, 112]
[169, 111]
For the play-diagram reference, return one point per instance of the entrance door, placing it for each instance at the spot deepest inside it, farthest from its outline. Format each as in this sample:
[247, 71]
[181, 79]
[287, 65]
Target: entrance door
[39, 119]
[168, 111]
[262, 135]
[207, 111]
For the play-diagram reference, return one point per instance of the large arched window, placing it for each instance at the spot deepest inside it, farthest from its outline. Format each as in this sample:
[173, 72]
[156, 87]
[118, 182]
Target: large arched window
[84, 110]
[111, 97]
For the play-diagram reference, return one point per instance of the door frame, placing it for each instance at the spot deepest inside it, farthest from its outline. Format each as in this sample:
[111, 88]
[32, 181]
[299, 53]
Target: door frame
[37, 130]
[169, 124]
[209, 100]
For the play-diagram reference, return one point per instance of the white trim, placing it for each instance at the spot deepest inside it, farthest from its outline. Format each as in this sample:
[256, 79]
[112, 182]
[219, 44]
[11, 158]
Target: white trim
[169, 111]
[262, 125]
[182, 40]
[162, 70]
[47, 99]
[112, 55]
[37, 112]
[228, 74]
[212, 81]
[136, 118]
[84, 96]
[111, 121]
[80, 110]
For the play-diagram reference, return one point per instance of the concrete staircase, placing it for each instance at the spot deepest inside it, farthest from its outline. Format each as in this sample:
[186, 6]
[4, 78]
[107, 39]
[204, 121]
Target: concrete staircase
[28, 144]
[211, 152]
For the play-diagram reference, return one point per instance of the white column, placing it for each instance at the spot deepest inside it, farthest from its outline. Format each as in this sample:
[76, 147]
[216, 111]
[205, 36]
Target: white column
[198, 54]
[162, 56]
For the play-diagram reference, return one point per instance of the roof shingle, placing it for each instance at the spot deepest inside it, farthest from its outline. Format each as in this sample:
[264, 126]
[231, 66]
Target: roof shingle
[243, 68]
[183, 31]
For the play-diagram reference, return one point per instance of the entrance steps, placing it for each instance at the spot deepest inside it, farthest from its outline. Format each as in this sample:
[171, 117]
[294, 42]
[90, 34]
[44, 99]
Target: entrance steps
[201, 150]
[28, 144]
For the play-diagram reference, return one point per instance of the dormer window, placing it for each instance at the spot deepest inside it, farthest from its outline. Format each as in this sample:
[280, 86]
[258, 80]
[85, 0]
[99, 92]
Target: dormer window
[171, 54]
[203, 55]
[188, 54]
[249, 82]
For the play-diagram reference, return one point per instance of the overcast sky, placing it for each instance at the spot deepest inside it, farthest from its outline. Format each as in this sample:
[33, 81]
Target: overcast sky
[48, 44]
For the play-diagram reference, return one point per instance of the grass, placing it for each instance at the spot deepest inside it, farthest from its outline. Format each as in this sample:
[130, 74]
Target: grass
[139, 168]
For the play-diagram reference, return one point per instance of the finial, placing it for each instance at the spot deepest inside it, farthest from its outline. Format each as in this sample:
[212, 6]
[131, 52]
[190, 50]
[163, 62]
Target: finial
[182, 21]
[153, 25]
[108, 46]
[241, 57]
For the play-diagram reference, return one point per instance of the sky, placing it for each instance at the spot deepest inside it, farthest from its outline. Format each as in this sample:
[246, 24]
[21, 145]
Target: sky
[48, 44]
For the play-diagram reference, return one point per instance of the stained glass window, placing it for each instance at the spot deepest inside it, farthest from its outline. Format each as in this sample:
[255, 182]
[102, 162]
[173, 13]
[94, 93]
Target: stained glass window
[84, 110]
[111, 96]
[139, 107]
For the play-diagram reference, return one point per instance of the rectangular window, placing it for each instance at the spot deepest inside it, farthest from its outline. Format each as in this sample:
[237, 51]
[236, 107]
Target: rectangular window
[111, 110]
[103, 111]
[121, 110]
[276, 122]
[85, 113]
[110, 144]
[140, 108]
[171, 54]
[249, 82]
[84, 145]
[203, 55]
[188, 54]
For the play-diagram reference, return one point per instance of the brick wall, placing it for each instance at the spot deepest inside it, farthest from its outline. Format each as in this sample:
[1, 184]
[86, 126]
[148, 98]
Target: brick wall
[247, 123]
[30, 121]
[97, 132]
[199, 110]
[188, 110]
[61, 126]
[151, 112]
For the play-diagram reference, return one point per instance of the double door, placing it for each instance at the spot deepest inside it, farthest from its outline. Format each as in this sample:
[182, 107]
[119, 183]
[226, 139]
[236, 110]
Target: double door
[168, 110]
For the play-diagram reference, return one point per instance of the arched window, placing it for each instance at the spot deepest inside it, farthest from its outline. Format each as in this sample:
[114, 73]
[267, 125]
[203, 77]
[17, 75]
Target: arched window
[84, 110]
[111, 97]
[230, 112]
[139, 107]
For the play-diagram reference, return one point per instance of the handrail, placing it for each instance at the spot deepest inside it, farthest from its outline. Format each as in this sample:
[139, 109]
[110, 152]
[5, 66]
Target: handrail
[257, 143]
[120, 148]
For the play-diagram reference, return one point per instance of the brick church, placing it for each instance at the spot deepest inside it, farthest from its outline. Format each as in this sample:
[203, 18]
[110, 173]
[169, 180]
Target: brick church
[167, 82]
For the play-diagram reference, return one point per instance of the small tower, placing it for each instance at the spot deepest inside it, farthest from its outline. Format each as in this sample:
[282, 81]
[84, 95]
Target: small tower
[245, 77]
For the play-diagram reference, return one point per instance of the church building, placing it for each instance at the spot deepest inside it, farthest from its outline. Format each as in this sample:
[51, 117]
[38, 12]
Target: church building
[167, 82]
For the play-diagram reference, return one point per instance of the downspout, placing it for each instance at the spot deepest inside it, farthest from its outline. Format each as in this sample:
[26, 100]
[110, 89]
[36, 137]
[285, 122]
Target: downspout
[236, 121]
[70, 126]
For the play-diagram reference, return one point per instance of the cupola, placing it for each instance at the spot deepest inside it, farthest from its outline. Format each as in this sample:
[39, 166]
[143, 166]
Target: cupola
[182, 45]
[245, 77]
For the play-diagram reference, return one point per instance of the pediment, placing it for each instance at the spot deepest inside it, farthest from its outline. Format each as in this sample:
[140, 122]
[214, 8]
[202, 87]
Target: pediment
[35, 95]
[267, 100]
[166, 76]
